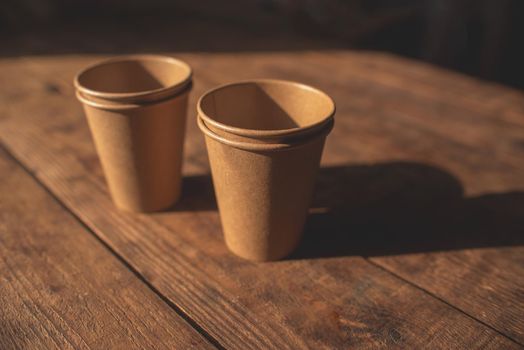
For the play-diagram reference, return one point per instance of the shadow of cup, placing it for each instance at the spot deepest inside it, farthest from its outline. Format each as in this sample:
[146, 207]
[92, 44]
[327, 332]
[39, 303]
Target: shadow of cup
[402, 208]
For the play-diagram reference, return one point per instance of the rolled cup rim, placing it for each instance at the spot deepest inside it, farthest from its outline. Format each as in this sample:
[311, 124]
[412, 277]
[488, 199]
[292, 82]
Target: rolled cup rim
[259, 133]
[138, 95]
[264, 146]
[114, 106]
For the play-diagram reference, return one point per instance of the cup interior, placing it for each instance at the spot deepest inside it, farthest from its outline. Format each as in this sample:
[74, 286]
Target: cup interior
[267, 105]
[134, 75]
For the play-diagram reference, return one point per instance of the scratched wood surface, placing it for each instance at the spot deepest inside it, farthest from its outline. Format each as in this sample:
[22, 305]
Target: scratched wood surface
[61, 289]
[415, 235]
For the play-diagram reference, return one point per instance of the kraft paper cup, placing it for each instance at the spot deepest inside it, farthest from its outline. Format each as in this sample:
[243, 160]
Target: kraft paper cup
[264, 140]
[136, 109]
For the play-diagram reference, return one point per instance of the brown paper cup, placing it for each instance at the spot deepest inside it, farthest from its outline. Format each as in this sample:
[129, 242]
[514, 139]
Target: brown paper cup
[264, 139]
[136, 109]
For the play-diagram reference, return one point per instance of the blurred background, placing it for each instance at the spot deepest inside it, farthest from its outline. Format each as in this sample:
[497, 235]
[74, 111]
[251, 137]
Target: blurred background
[477, 37]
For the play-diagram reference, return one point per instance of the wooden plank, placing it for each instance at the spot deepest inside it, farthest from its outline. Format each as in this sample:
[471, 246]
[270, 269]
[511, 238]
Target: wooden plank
[474, 134]
[61, 289]
[432, 84]
[298, 303]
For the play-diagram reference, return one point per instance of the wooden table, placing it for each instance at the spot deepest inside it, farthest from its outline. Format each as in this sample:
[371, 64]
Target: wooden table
[415, 239]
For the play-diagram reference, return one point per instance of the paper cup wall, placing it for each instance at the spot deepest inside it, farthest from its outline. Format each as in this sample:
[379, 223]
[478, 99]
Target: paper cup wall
[264, 139]
[136, 109]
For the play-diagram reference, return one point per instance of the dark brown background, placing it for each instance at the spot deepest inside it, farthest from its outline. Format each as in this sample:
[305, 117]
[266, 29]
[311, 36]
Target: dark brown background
[478, 37]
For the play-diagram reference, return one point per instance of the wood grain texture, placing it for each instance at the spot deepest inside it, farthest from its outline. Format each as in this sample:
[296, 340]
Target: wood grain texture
[61, 289]
[381, 168]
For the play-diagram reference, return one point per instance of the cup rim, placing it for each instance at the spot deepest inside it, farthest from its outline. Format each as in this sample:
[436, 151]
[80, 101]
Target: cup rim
[126, 96]
[263, 147]
[257, 133]
[121, 107]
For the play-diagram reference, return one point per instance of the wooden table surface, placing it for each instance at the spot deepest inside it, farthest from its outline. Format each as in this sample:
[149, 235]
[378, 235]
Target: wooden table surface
[415, 239]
